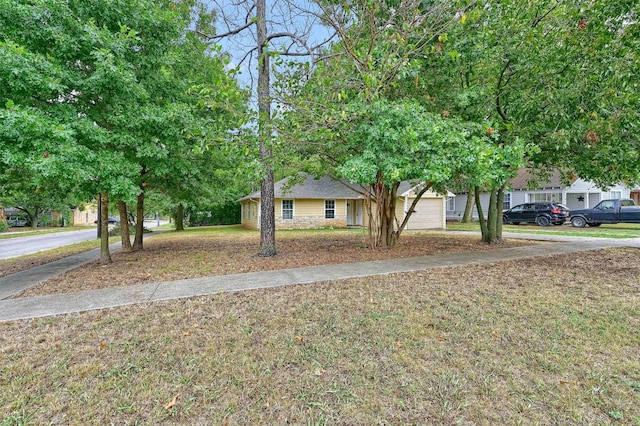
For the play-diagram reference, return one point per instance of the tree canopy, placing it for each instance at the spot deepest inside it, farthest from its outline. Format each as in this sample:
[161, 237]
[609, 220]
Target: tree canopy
[109, 97]
[362, 116]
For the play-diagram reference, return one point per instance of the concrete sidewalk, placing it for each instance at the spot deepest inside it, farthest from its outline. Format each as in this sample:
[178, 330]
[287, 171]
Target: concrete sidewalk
[41, 306]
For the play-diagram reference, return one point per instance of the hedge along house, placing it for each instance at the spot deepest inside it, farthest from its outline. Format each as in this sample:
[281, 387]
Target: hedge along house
[527, 188]
[330, 203]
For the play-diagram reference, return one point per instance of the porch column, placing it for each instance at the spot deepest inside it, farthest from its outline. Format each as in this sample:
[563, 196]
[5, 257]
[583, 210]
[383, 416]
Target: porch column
[259, 216]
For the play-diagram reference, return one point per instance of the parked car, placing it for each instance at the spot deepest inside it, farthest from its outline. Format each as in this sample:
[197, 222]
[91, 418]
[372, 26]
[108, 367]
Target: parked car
[542, 214]
[17, 221]
[607, 211]
[111, 220]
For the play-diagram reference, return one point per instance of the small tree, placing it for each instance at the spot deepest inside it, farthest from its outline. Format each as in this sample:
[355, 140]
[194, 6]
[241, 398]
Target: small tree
[358, 115]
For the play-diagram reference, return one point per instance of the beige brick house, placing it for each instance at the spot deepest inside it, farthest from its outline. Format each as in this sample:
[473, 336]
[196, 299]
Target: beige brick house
[331, 203]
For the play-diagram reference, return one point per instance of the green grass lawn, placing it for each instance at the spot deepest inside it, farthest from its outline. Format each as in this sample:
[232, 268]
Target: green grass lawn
[620, 230]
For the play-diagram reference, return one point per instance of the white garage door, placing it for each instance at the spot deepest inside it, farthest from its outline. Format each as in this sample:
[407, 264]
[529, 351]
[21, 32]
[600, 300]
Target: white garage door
[427, 215]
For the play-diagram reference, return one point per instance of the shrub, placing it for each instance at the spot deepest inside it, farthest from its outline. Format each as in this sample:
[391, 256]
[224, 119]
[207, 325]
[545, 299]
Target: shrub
[223, 214]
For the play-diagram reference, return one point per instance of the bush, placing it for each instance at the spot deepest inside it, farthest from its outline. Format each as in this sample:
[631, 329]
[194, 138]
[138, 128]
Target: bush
[3, 226]
[224, 214]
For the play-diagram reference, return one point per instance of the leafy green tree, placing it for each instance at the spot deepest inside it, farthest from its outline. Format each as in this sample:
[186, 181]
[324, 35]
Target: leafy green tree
[100, 92]
[276, 30]
[542, 73]
[359, 112]
[33, 200]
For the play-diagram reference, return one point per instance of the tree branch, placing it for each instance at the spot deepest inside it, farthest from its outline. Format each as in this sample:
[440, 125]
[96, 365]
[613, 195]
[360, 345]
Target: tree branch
[499, 107]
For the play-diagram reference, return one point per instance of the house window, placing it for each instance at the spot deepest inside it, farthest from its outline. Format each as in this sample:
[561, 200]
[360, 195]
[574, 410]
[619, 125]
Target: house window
[287, 209]
[329, 209]
[451, 204]
[616, 195]
[554, 197]
[506, 201]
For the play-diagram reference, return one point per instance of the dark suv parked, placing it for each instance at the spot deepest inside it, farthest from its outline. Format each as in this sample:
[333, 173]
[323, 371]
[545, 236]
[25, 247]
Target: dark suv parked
[541, 214]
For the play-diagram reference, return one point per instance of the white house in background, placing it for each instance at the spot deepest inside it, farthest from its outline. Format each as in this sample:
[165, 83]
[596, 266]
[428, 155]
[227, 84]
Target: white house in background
[580, 194]
[635, 195]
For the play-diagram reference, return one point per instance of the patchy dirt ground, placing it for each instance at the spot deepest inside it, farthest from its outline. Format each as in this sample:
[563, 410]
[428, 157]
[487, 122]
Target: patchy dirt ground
[550, 340]
[174, 256]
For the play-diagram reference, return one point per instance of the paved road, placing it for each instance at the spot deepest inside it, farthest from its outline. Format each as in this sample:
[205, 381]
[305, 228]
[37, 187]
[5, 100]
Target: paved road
[19, 246]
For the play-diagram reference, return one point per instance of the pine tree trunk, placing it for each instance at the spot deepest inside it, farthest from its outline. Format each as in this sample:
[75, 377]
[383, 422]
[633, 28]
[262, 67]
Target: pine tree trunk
[105, 255]
[267, 205]
[267, 217]
[137, 240]
[180, 217]
[124, 227]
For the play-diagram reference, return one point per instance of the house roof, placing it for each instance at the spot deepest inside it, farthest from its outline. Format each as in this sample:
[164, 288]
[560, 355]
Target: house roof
[324, 188]
[311, 187]
[527, 180]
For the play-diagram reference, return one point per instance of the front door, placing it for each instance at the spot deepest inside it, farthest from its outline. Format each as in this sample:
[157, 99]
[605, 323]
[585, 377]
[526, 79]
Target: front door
[354, 212]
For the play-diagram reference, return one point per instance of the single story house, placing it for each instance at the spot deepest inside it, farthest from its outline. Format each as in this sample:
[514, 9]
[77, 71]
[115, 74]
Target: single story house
[327, 202]
[526, 188]
[87, 214]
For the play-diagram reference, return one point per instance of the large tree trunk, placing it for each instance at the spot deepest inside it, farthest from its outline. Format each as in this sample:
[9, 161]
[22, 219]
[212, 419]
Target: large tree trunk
[124, 227]
[384, 228]
[491, 228]
[137, 239]
[267, 217]
[3, 220]
[500, 208]
[34, 219]
[180, 217]
[105, 255]
[492, 237]
[267, 205]
[483, 222]
[467, 217]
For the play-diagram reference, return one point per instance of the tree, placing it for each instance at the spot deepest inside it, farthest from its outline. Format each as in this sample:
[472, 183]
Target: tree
[33, 200]
[358, 114]
[90, 92]
[3, 220]
[589, 124]
[294, 25]
[543, 74]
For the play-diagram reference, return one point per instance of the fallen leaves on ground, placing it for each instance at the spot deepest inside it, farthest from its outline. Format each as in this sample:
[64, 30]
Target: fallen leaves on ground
[175, 256]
